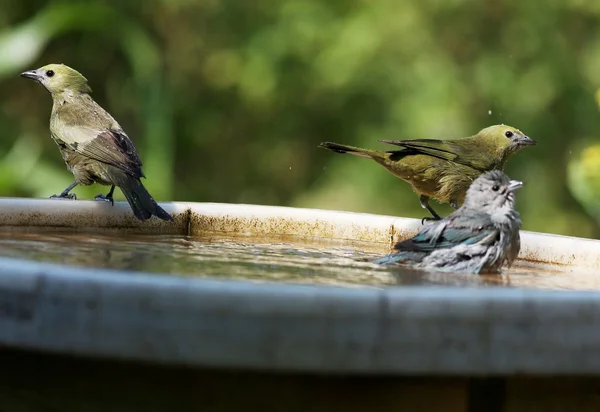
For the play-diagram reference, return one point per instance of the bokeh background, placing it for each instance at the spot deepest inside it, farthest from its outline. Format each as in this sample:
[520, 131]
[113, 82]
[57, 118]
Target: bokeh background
[227, 101]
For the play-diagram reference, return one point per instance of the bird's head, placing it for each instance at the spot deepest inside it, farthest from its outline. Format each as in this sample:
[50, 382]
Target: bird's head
[58, 78]
[492, 192]
[507, 140]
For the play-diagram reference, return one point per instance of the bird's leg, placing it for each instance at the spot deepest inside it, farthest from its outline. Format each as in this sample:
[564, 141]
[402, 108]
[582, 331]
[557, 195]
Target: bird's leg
[425, 205]
[454, 204]
[65, 193]
[108, 197]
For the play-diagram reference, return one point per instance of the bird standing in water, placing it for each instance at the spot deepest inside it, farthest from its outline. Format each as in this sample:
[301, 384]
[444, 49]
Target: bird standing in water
[92, 143]
[480, 237]
[444, 169]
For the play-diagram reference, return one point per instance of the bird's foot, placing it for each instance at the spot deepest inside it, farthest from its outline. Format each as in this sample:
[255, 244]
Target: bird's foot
[64, 196]
[429, 220]
[105, 199]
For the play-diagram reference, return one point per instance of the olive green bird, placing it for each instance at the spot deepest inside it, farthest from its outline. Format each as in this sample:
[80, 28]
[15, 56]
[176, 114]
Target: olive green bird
[444, 169]
[92, 143]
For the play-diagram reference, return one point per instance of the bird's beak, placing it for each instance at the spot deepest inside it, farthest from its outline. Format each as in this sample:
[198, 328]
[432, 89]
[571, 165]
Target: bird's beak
[31, 74]
[514, 185]
[526, 141]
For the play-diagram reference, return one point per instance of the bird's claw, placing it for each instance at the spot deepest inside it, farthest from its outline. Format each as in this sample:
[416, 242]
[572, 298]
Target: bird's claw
[103, 198]
[429, 220]
[64, 196]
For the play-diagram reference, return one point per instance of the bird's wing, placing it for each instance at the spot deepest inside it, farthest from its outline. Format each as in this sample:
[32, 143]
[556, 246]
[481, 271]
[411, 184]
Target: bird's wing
[449, 233]
[445, 150]
[436, 148]
[108, 146]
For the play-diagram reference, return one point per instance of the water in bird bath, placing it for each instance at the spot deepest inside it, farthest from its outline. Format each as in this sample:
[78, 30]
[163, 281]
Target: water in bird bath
[258, 259]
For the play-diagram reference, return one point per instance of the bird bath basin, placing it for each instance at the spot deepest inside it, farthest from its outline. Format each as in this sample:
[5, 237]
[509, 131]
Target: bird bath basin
[274, 299]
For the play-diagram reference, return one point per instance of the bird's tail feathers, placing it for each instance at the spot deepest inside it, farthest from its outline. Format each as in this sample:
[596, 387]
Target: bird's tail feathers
[357, 151]
[406, 257]
[390, 259]
[142, 204]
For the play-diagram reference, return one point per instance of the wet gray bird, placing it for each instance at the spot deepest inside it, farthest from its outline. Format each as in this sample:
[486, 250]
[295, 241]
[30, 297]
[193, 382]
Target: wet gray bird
[92, 143]
[480, 237]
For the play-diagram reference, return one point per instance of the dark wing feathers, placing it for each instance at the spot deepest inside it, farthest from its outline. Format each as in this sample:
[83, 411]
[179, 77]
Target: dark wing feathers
[435, 148]
[445, 150]
[451, 237]
[452, 233]
[113, 148]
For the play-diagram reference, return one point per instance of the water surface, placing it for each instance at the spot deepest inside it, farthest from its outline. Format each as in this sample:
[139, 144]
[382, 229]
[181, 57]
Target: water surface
[279, 260]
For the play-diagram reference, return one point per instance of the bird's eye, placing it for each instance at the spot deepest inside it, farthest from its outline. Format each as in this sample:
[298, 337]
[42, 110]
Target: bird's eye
[49, 73]
[495, 188]
[508, 134]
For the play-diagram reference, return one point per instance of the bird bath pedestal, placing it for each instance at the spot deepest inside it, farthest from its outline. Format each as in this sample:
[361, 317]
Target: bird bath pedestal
[86, 339]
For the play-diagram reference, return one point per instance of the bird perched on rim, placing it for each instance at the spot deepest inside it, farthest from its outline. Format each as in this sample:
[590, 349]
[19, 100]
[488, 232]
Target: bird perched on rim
[480, 237]
[92, 143]
[444, 169]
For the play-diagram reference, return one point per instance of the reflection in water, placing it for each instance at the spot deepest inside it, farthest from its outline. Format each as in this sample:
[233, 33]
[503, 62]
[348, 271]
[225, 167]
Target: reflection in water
[321, 262]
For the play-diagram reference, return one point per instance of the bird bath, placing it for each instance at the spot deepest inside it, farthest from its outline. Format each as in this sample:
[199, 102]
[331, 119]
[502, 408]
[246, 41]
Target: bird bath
[273, 298]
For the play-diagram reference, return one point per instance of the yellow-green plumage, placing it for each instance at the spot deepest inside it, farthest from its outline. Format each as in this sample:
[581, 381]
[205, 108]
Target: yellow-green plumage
[444, 169]
[92, 143]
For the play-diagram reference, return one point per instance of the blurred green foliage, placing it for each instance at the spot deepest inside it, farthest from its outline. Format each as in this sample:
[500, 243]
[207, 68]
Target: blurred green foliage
[227, 100]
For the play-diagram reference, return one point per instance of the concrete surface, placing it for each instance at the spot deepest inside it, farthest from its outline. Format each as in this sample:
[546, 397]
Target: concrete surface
[276, 327]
